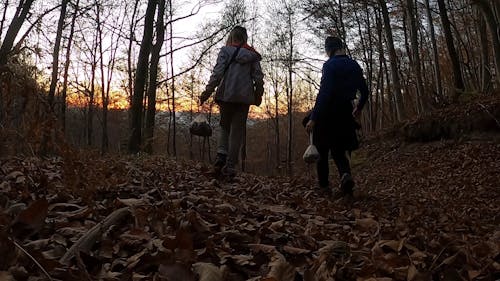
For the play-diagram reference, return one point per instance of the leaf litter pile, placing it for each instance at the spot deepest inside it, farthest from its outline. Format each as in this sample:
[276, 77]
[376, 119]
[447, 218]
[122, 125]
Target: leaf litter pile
[421, 212]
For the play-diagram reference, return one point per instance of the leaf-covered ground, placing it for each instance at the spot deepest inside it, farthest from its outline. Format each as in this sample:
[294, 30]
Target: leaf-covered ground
[421, 212]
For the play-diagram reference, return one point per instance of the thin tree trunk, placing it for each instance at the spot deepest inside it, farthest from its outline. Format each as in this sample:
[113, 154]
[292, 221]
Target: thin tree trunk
[4, 14]
[391, 99]
[66, 67]
[485, 74]
[457, 72]
[90, 115]
[104, 136]
[129, 53]
[412, 14]
[55, 54]
[134, 144]
[400, 112]
[106, 87]
[494, 27]
[290, 97]
[153, 75]
[277, 125]
[435, 56]
[174, 121]
[380, 82]
[14, 27]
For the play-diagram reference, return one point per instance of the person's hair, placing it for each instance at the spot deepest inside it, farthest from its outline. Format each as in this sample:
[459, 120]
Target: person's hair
[237, 36]
[333, 43]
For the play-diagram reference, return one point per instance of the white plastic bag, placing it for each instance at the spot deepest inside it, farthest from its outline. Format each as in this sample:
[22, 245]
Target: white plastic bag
[200, 126]
[311, 155]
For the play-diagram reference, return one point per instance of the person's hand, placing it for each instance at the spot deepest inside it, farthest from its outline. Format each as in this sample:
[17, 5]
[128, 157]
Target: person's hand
[204, 97]
[310, 126]
[356, 112]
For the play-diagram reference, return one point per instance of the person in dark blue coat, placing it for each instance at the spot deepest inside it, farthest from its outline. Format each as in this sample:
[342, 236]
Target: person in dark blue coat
[333, 119]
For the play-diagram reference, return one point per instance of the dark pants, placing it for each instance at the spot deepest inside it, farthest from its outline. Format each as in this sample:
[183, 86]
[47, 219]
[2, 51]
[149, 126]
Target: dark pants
[233, 126]
[335, 134]
[341, 161]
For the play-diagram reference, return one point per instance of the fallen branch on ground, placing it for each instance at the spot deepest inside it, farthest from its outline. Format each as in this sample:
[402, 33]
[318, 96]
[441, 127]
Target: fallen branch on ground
[86, 242]
[32, 258]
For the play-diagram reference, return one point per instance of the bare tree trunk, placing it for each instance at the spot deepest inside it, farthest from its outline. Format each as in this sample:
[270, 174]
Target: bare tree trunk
[412, 14]
[106, 87]
[435, 56]
[290, 96]
[485, 74]
[90, 114]
[55, 54]
[153, 75]
[493, 20]
[4, 14]
[277, 129]
[290, 125]
[457, 72]
[66, 67]
[380, 82]
[367, 59]
[14, 27]
[134, 144]
[174, 122]
[104, 137]
[129, 52]
[400, 111]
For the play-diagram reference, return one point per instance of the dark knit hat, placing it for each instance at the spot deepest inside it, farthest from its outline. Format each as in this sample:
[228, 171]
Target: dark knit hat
[333, 44]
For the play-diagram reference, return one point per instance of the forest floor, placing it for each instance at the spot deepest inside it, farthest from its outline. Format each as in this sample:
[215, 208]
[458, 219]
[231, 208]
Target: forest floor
[421, 211]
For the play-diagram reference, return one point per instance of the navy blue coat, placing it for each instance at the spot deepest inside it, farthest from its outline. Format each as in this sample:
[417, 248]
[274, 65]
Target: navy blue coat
[335, 126]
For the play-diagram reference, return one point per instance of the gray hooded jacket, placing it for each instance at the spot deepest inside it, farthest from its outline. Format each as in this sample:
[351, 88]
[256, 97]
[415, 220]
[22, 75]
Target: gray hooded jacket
[243, 80]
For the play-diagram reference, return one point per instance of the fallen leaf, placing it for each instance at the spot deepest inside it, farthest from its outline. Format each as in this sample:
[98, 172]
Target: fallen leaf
[412, 273]
[30, 220]
[295, 251]
[280, 269]
[176, 272]
[6, 276]
[207, 272]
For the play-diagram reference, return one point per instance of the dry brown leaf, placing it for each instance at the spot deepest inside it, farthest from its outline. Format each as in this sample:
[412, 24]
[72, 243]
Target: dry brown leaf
[473, 274]
[240, 259]
[390, 244]
[369, 224]
[131, 202]
[268, 249]
[8, 252]
[176, 272]
[449, 260]
[280, 269]
[31, 220]
[6, 276]
[135, 236]
[207, 272]
[14, 175]
[412, 273]
[138, 277]
[277, 225]
[295, 251]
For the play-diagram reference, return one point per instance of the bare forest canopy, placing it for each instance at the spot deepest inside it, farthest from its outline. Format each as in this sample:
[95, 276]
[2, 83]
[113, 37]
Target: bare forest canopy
[126, 75]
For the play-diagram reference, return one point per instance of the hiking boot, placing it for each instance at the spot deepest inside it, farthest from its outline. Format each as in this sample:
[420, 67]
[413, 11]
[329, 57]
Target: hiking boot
[346, 184]
[220, 161]
[228, 171]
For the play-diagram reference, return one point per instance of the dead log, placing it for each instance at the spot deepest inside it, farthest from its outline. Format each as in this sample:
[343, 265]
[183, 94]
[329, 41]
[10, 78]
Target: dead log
[86, 242]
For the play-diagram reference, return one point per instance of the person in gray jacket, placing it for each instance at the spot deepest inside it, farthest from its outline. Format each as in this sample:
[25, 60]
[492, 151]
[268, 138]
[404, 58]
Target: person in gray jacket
[239, 80]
